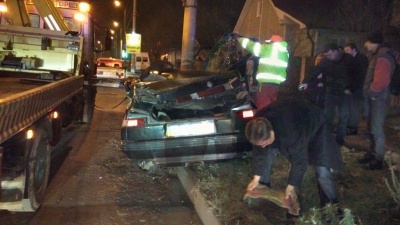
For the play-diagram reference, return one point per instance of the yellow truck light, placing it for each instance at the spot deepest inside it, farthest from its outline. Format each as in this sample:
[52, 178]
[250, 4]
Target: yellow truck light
[79, 17]
[84, 7]
[3, 8]
[29, 134]
[54, 115]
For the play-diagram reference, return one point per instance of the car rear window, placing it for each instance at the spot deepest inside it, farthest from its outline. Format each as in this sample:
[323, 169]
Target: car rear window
[109, 62]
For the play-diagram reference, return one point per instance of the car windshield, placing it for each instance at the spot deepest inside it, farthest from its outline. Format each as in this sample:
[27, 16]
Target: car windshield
[224, 55]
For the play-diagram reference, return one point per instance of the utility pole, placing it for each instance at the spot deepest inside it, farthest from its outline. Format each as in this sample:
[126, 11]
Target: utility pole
[134, 17]
[188, 34]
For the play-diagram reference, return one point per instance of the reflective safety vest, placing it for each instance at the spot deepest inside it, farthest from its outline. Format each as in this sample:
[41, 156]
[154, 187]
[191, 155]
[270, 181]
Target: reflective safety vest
[273, 61]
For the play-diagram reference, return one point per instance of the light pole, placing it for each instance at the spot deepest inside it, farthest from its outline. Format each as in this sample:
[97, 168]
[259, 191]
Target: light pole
[117, 4]
[119, 38]
[115, 46]
[123, 27]
[101, 48]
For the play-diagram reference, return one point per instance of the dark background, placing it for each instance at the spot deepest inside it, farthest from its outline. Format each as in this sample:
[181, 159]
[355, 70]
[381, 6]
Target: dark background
[160, 22]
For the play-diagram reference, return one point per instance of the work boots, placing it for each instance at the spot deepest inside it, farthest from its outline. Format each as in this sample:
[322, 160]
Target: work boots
[368, 157]
[373, 162]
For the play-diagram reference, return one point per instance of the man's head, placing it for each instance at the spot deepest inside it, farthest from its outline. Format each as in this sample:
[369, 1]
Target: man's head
[259, 132]
[374, 39]
[274, 38]
[331, 51]
[351, 49]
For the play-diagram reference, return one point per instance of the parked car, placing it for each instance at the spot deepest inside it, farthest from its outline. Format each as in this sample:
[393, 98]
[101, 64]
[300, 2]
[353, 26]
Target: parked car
[110, 68]
[177, 117]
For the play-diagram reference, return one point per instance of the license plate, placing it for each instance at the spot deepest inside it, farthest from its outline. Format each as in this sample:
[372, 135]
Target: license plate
[111, 74]
[191, 129]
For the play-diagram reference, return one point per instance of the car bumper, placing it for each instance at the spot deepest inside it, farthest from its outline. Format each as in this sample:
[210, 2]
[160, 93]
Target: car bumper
[188, 149]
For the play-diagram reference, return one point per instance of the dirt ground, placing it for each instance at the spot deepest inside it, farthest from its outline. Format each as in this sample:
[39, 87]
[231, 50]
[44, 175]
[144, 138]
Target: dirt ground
[362, 191]
[97, 184]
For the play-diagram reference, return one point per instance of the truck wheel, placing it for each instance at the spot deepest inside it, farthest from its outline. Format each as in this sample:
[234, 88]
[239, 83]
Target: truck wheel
[38, 167]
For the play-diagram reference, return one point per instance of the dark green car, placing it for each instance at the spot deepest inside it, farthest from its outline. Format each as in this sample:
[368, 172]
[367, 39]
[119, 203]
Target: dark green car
[177, 117]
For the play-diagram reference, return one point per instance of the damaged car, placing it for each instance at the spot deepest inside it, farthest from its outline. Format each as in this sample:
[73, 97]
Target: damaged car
[177, 117]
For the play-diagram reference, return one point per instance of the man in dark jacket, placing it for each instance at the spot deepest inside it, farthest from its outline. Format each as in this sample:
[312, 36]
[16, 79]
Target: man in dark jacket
[297, 129]
[338, 89]
[338, 72]
[356, 87]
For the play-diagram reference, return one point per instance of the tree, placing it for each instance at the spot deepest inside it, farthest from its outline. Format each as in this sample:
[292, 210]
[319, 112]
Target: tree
[364, 15]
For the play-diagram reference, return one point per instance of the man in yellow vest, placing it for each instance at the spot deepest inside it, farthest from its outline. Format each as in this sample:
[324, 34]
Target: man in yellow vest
[271, 72]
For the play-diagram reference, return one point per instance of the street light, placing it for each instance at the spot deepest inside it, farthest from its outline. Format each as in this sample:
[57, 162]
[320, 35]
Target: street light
[117, 3]
[3, 9]
[84, 7]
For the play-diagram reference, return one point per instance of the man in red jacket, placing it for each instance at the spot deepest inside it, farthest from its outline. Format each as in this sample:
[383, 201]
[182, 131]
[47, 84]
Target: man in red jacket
[376, 88]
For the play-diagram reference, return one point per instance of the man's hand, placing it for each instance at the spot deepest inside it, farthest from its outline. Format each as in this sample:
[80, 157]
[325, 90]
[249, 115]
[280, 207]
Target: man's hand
[303, 87]
[291, 192]
[347, 92]
[254, 183]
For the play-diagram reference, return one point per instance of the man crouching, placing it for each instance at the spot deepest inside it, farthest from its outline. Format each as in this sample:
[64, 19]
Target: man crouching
[296, 129]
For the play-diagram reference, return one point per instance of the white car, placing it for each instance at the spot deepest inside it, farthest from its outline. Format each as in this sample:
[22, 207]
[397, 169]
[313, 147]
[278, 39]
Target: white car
[110, 68]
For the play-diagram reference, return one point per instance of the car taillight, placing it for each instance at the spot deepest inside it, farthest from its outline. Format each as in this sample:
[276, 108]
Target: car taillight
[245, 114]
[137, 122]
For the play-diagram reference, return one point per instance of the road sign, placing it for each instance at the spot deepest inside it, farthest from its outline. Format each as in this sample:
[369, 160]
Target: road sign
[133, 43]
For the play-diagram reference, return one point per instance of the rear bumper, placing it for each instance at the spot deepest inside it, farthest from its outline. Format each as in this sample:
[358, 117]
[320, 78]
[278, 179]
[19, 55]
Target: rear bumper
[188, 149]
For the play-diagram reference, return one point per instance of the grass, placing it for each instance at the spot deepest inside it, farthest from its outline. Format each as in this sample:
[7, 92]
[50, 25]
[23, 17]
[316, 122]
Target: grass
[364, 196]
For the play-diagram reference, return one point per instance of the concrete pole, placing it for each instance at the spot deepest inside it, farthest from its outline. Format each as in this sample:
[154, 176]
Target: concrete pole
[188, 35]
[134, 17]
[133, 56]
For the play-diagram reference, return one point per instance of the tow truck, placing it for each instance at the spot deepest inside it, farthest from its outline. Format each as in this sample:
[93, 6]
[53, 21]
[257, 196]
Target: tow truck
[46, 68]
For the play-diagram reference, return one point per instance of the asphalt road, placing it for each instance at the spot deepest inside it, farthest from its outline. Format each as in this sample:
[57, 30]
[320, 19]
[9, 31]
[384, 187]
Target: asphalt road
[97, 184]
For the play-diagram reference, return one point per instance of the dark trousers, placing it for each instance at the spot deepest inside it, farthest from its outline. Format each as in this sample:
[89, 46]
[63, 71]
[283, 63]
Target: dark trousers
[341, 103]
[356, 103]
[325, 180]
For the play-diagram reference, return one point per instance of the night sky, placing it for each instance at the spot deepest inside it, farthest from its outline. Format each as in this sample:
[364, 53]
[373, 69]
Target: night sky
[160, 21]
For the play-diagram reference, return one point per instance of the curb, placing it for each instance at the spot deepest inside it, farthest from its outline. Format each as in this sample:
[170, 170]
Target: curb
[198, 200]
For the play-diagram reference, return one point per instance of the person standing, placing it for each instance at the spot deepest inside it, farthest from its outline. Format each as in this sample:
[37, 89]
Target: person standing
[337, 89]
[360, 63]
[337, 71]
[298, 130]
[316, 89]
[376, 88]
[271, 70]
